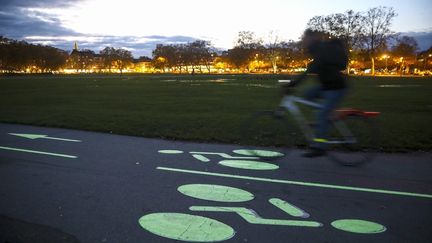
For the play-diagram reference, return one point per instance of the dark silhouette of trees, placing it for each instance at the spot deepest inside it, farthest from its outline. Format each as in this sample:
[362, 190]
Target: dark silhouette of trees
[246, 50]
[405, 49]
[16, 56]
[345, 26]
[115, 58]
[376, 31]
[180, 57]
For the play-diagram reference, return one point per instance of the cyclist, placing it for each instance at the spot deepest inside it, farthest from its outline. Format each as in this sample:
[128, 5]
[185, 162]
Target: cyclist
[329, 59]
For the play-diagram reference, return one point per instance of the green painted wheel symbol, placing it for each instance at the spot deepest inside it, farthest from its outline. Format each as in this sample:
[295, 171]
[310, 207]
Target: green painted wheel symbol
[358, 226]
[260, 153]
[248, 165]
[170, 151]
[216, 193]
[186, 227]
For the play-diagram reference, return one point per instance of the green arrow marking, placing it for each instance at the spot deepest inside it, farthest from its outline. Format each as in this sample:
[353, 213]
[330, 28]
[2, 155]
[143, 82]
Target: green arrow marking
[38, 152]
[36, 136]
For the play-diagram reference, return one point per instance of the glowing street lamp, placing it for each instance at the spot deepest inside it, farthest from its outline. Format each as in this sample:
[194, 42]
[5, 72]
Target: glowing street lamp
[386, 57]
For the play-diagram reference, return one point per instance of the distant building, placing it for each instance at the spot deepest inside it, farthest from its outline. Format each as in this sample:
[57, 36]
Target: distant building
[83, 61]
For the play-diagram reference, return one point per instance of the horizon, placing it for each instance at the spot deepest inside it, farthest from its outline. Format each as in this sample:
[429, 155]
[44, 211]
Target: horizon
[95, 24]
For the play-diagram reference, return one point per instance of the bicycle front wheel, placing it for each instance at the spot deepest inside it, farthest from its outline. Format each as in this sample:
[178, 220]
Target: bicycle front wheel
[266, 129]
[358, 147]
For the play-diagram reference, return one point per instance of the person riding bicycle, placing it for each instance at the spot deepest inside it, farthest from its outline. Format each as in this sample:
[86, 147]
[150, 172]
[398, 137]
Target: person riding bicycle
[329, 59]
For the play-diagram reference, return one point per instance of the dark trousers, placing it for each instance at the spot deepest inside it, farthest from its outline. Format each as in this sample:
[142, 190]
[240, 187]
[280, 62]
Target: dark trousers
[330, 101]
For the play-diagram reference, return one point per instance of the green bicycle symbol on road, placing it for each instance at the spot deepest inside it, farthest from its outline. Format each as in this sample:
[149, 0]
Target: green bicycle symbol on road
[195, 228]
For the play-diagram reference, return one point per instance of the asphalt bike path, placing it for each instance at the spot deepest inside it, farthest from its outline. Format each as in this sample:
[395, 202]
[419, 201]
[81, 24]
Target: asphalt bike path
[59, 185]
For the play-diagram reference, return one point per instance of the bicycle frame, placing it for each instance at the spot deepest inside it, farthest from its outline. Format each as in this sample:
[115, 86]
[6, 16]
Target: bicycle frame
[289, 103]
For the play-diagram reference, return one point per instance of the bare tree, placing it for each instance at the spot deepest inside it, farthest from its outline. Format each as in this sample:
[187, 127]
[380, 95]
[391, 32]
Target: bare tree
[123, 58]
[345, 26]
[376, 30]
[273, 50]
[245, 50]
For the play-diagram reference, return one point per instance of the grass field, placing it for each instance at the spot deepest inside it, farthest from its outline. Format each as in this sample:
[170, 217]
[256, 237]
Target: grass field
[201, 108]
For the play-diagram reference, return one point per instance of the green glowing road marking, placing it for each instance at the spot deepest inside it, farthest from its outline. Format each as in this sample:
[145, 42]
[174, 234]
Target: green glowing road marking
[224, 155]
[38, 152]
[299, 183]
[216, 193]
[201, 158]
[170, 151]
[260, 153]
[249, 165]
[358, 226]
[36, 136]
[252, 217]
[186, 227]
[288, 208]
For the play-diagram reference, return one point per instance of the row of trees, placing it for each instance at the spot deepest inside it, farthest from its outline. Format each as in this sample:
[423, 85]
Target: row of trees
[367, 36]
[20, 55]
[249, 53]
[182, 57]
[109, 58]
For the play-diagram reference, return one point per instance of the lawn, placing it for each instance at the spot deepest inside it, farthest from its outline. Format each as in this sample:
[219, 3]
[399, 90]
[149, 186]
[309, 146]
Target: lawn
[201, 107]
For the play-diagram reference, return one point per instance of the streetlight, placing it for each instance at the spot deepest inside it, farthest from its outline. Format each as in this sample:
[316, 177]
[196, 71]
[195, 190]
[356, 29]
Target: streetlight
[386, 57]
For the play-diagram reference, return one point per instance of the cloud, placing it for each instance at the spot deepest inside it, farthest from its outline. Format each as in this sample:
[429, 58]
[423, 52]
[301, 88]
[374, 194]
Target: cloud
[138, 45]
[7, 4]
[18, 24]
[423, 38]
[24, 20]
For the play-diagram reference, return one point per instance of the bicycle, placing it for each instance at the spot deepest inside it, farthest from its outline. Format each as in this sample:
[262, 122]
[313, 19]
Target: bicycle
[353, 133]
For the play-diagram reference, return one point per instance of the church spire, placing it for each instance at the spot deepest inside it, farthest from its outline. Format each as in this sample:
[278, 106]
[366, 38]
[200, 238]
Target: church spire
[76, 46]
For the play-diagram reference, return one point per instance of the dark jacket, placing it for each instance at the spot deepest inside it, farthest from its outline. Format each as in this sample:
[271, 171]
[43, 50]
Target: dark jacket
[329, 59]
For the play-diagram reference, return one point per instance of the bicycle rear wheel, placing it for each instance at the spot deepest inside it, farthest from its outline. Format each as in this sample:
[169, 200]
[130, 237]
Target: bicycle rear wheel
[265, 129]
[364, 141]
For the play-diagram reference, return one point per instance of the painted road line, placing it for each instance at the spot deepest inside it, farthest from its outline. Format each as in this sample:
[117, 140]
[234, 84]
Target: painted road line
[36, 136]
[289, 208]
[38, 152]
[252, 217]
[201, 158]
[224, 155]
[300, 183]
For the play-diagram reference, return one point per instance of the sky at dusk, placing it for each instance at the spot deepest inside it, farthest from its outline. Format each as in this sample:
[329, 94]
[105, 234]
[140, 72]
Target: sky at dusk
[139, 25]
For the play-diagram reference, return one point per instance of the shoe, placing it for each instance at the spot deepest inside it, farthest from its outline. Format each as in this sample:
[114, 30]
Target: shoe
[314, 152]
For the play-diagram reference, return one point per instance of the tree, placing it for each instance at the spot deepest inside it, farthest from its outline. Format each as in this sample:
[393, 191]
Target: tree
[123, 58]
[376, 30]
[405, 50]
[165, 56]
[273, 50]
[108, 56]
[200, 54]
[245, 50]
[345, 26]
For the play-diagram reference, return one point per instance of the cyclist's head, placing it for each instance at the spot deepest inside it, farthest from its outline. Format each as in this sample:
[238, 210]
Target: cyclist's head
[311, 37]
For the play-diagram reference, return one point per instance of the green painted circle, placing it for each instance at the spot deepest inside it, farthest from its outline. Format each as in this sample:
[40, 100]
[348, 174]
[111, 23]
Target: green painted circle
[260, 153]
[216, 193]
[358, 226]
[170, 151]
[249, 165]
[186, 227]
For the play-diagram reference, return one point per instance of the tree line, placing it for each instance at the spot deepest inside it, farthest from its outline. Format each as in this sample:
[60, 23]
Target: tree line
[20, 55]
[17, 56]
[367, 35]
[109, 58]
